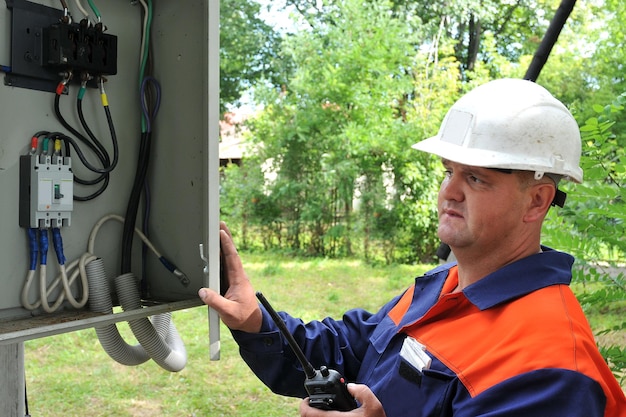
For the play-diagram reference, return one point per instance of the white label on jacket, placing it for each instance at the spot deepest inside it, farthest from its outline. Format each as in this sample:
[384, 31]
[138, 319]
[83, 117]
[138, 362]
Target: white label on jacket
[415, 353]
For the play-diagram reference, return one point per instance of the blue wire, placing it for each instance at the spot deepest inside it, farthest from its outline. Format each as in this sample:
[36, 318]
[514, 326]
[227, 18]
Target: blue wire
[174, 270]
[169, 265]
[34, 248]
[58, 245]
[149, 118]
[43, 245]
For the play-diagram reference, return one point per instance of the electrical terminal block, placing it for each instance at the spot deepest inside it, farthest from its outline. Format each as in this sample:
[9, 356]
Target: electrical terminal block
[46, 191]
[45, 42]
[78, 47]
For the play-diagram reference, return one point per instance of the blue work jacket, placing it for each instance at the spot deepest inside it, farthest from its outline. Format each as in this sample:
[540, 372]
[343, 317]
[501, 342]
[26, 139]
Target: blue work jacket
[515, 343]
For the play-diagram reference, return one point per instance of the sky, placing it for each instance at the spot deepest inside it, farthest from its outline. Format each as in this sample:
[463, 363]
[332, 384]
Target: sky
[275, 15]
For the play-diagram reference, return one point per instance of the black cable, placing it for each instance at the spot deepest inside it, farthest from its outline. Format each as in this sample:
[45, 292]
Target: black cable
[102, 178]
[94, 145]
[149, 101]
[549, 39]
[103, 157]
[96, 193]
[146, 232]
[57, 111]
[79, 152]
[41, 133]
[110, 165]
[78, 180]
[132, 207]
[116, 151]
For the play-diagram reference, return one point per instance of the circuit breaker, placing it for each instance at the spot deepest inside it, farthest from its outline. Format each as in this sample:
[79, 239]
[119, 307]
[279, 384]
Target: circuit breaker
[46, 191]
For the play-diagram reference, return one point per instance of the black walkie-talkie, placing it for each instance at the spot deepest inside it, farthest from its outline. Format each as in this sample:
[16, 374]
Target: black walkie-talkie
[326, 387]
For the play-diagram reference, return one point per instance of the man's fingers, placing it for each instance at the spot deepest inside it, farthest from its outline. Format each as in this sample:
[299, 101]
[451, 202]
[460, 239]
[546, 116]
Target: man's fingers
[307, 411]
[226, 229]
[224, 307]
[370, 404]
[211, 298]
[226, 243]
[238, 308]
[358, 391]
[232, 262]
[243, 313]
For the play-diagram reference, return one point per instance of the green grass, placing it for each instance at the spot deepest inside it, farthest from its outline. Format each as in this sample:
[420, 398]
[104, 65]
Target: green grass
[70, 375]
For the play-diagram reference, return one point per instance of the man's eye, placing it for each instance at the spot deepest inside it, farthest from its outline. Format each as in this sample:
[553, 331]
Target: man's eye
[475, 179]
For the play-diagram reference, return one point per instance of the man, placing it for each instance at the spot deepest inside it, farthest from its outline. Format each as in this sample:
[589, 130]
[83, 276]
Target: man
[497, 333]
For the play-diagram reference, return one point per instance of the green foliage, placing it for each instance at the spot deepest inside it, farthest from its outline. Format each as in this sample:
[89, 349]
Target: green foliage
[464, 23]
[369, 80]
[337, 139]
[595, 220]
[249, 51]
[372, 78]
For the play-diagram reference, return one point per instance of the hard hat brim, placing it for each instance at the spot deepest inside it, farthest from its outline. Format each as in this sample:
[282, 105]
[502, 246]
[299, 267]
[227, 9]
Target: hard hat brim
[491, 159]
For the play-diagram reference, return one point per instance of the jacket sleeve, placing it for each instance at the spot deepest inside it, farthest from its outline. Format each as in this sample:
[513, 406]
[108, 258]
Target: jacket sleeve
[338, 344]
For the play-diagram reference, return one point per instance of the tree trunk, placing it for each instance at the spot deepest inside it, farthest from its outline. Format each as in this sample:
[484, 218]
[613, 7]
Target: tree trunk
[474, 42]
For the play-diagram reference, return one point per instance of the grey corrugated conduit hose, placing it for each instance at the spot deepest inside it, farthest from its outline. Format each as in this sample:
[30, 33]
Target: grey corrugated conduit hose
[171, 358]
[158, 338]
[109, 337]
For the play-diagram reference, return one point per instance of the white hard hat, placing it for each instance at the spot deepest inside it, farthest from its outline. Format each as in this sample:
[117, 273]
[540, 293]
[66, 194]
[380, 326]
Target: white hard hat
[510, 124]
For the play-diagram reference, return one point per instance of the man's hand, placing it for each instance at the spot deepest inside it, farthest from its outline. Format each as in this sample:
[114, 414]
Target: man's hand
[238, 308]
[370, 406]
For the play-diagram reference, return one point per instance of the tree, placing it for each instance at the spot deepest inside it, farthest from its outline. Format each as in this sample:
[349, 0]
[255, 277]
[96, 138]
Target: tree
[481, 30]
[365, 73]
[249, 51]
[342, 125]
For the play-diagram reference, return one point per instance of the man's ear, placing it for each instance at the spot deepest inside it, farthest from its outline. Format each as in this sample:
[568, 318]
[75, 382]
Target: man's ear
[541, 196]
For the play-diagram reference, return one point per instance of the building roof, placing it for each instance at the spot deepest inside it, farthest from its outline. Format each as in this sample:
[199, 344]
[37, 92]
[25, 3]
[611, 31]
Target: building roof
[232, 143]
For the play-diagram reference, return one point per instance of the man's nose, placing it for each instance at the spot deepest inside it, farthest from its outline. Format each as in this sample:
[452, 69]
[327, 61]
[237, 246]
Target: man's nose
[451, 189]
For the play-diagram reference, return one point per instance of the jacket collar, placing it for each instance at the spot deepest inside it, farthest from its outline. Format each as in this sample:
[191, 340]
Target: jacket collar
[522, 277]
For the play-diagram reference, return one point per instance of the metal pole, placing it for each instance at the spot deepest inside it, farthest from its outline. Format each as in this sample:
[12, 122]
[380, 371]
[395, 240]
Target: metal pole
[12, 388]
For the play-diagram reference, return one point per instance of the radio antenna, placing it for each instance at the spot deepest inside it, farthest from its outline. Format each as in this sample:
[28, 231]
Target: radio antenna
[309, 370]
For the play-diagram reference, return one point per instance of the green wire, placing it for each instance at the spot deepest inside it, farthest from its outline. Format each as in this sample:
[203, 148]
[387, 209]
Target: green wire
[95, 10]
[81, 92]
[144, 59]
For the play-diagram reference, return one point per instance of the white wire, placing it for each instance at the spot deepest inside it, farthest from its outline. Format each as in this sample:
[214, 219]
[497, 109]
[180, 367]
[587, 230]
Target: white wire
[82, 10]
[96, 229]
[68, 292]
[143, 32]
[43, 292]
[88, 256]
[26, 289]
[69, 273]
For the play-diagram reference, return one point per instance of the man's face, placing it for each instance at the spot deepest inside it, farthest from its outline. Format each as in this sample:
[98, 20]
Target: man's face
[479, 208]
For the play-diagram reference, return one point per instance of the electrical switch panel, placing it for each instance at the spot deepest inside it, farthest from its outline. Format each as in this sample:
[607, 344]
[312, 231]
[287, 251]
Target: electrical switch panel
[46, 191]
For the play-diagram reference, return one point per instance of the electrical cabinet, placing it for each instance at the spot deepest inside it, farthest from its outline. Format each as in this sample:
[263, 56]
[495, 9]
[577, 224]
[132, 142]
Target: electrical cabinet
[182, 174]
